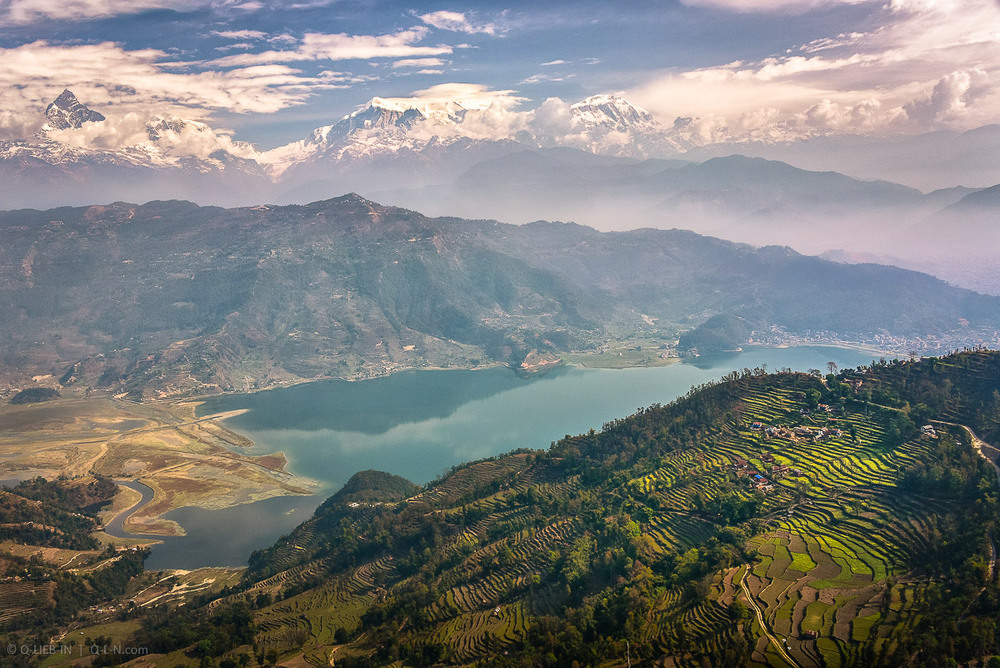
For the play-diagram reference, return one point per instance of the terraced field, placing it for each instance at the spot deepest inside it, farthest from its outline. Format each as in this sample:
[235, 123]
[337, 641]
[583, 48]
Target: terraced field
[22, 598]
[781, 531]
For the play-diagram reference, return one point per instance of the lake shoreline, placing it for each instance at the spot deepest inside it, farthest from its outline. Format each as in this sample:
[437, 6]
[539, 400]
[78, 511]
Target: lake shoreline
[577, 360]
[329, 431]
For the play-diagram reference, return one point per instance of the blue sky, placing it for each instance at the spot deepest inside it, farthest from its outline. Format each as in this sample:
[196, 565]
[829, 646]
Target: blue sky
[270, 72]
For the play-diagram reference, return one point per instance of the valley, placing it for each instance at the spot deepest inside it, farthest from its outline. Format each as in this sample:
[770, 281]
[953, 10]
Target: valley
[352, 334]
[763, 508]
[145, 339]
[308, 439]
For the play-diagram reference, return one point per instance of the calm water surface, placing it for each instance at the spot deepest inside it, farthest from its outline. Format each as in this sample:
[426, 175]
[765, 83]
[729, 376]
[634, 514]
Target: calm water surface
[418, 424]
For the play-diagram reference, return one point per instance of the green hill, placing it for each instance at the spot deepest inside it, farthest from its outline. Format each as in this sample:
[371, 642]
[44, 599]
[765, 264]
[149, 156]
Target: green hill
[765, 515]
[374, 487]
[169, 298]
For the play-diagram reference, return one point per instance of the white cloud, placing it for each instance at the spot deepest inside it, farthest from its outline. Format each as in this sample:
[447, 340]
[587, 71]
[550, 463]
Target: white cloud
[747, 6]
[240, 34]
[922, 64]
[18, 124]
[418, 62]
[24, 12]
[235, 46]
[341, 46]
[116, 82]
[469, 95]
[555, 62]
[172, 138]
[542, 78]
[949, 99]
[458, 22]
[553, 119]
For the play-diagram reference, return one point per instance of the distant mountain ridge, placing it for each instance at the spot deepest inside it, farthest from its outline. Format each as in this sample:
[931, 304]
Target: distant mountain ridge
[390, 141]
[170, 298]
[78, 156]
[448, 157]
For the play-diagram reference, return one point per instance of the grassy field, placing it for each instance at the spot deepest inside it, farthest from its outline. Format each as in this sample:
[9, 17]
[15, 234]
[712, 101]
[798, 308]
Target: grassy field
[639, 352]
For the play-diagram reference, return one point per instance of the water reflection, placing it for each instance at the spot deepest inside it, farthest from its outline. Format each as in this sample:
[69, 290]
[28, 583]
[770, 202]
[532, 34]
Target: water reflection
[227, 537]
[418, 424]
[372, 406]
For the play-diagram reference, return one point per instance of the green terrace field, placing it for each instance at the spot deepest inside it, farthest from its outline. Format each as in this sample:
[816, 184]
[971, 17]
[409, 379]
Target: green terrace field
[767, 520]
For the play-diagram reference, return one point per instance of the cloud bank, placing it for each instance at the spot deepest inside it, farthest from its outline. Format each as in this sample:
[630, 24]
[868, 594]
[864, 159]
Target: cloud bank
[922, 65]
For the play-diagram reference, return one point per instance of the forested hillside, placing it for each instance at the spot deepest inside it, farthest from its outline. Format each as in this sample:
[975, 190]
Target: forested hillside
[837, 520]
[169, 298]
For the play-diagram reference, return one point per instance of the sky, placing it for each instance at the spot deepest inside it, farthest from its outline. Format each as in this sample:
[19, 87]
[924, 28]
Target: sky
[268, 72]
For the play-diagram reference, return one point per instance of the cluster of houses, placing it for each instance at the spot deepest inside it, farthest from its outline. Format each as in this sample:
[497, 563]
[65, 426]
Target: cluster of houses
[815, 433]
[758, 480]
[777, 471]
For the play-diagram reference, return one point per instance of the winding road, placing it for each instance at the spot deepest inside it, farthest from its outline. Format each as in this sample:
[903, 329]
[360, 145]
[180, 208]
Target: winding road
[778, 644]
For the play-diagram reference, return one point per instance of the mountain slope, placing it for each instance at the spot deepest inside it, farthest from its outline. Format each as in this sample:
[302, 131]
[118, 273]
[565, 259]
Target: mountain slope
[169, 297]
[743, 199]
[961, 238]
[658, 536]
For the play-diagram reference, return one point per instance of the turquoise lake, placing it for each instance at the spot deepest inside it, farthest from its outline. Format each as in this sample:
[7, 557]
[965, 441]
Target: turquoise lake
[418, 424]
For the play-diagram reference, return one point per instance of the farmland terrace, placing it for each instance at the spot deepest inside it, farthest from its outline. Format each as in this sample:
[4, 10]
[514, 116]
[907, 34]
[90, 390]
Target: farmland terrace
[767, 508]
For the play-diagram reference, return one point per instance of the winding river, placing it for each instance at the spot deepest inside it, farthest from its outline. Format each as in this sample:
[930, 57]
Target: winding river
[116, 526]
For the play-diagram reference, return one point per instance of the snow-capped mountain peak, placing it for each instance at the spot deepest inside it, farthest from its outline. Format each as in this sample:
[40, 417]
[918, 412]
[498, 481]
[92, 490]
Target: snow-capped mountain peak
[613, 112]
[380, 114]
[382, 127]
[387, 127]
[67, 112]
[79, 155]
[405, 113]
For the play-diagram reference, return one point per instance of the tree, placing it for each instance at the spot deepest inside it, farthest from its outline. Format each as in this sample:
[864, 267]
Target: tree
[812, 399]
